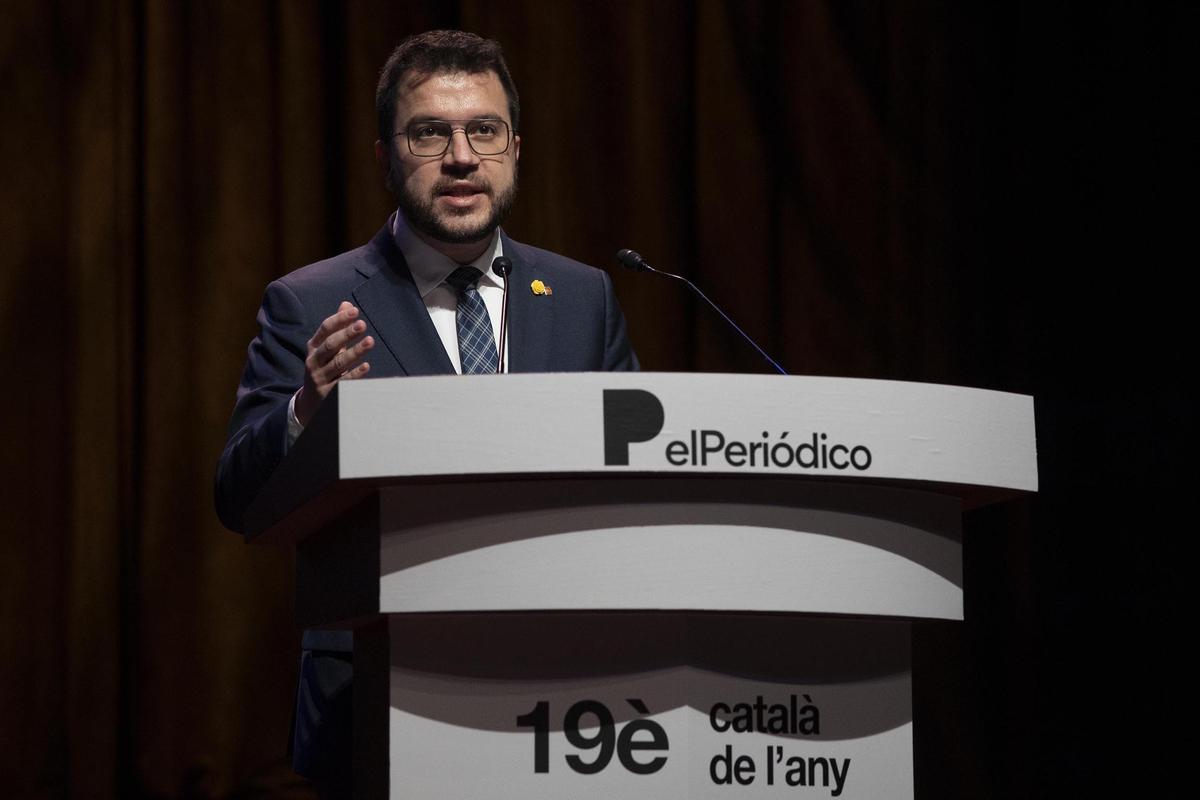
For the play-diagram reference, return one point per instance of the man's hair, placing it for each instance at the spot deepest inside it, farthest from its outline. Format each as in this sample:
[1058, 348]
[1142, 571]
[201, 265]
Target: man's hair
[438, 52]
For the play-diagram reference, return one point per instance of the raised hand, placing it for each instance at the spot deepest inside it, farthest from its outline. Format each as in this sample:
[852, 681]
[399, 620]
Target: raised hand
[333, 355]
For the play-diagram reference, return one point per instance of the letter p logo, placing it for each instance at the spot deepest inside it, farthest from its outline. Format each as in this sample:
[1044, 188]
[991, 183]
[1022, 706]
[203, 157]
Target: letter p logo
[630, 415]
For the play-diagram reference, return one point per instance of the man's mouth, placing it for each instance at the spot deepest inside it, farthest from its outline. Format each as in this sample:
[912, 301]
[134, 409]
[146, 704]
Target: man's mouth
[461, 194]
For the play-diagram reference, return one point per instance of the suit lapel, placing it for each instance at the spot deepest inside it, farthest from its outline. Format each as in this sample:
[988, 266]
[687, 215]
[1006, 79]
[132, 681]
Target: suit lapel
[530, 316]
[393, 307]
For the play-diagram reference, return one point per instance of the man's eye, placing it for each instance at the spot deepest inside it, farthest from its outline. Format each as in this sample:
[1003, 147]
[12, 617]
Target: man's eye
[427, 132]
[486, 129]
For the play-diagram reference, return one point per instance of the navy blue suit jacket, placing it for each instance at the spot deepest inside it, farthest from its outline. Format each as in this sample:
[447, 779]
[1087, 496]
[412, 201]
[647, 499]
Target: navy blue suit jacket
[577, 328]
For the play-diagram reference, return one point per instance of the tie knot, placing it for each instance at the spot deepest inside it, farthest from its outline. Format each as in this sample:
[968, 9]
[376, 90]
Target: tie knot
[464, 278]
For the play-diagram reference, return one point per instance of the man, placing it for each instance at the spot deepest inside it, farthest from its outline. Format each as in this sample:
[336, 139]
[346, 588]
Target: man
[403, 304]
[448, 148]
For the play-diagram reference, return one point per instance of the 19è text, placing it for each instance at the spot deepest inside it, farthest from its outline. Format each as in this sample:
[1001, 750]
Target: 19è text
[636, 736]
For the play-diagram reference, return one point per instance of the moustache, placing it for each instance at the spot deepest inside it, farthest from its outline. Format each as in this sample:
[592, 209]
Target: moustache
[461, 187]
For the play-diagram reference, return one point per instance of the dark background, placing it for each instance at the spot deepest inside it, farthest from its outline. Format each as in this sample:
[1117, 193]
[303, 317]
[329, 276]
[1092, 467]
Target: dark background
[983, 194]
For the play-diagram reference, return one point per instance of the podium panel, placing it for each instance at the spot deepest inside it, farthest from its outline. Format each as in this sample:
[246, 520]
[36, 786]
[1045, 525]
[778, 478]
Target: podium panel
[723, 544]
[648, 706]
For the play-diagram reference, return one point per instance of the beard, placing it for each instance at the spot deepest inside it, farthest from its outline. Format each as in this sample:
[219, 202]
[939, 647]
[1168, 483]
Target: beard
[422, 214]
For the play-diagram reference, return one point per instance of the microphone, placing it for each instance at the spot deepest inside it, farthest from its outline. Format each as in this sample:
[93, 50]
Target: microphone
[632, 261]
[502, 267]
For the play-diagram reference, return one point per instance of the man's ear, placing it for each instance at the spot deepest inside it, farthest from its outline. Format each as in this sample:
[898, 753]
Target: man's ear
[383, 160]
[516, 148]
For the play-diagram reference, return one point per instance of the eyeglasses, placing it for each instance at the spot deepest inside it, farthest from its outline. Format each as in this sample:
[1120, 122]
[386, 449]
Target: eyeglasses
[431, 137]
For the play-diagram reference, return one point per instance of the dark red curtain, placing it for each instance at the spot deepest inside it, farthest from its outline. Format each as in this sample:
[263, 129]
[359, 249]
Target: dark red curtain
[963, 193]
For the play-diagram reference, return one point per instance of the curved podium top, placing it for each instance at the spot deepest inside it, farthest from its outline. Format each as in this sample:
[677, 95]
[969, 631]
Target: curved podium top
[975, 444]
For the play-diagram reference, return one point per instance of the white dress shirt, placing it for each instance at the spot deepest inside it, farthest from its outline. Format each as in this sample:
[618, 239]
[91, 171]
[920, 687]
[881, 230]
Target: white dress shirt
[430, 269]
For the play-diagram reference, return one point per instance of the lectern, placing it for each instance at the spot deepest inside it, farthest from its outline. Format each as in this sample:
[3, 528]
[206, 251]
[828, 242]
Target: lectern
[638, 585]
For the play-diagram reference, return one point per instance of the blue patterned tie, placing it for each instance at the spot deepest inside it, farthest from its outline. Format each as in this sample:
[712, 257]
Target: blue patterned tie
[476, 346]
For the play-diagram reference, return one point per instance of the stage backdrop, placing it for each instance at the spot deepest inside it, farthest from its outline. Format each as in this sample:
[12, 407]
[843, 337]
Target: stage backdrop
[920, 191]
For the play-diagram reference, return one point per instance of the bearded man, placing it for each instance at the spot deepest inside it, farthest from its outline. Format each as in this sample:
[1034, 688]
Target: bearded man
[421, 298]
[448, 115]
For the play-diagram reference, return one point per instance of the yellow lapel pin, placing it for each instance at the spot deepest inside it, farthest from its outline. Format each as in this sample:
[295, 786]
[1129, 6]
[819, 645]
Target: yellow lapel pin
[537, 287]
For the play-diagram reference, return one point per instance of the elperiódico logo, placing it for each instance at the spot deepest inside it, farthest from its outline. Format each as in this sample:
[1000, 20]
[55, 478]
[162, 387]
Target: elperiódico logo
[635, 416]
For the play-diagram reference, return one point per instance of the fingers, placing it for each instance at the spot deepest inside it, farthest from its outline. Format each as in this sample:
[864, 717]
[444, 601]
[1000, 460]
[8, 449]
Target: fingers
[333, 355]
[338, 347]
[347, 360]
[335, 323]
[358, 372]
[330, 350]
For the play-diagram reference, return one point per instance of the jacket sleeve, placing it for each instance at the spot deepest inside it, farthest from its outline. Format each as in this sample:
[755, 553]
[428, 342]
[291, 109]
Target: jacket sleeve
[618, 352]
[258, 429]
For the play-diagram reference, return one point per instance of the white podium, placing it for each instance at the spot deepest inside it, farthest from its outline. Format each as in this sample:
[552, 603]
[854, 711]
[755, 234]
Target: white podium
[638, 585]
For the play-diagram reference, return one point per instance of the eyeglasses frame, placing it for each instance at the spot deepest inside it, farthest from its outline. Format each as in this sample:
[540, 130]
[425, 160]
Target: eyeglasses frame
[458, 125]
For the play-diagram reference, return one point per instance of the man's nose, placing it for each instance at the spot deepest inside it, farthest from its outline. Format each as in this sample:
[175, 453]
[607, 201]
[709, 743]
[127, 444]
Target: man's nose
[459, 152]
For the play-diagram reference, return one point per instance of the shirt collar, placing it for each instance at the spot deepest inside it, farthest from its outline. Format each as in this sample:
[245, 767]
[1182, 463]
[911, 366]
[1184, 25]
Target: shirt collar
[430, 268]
